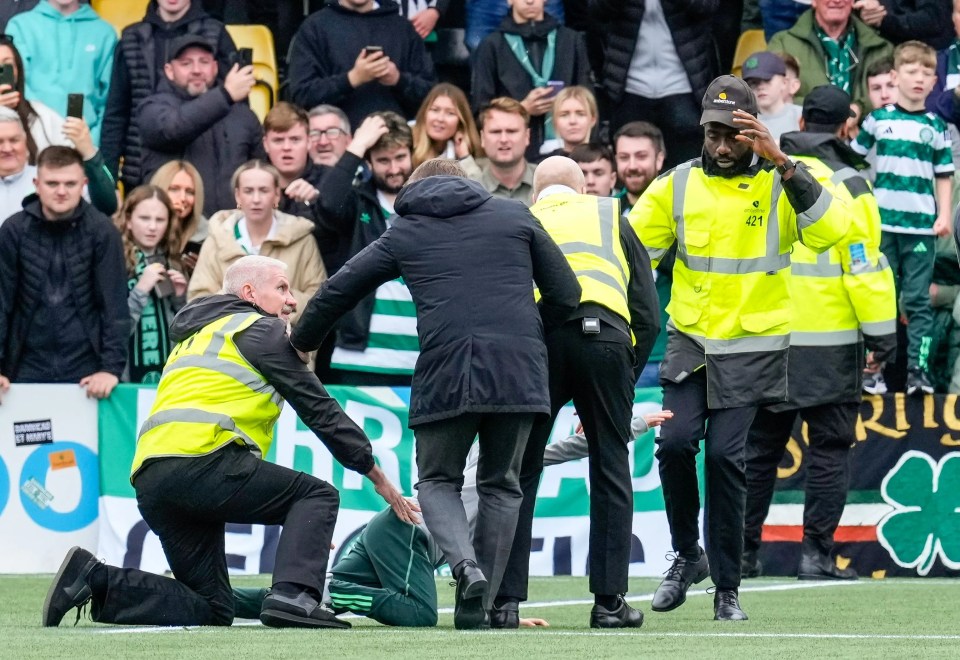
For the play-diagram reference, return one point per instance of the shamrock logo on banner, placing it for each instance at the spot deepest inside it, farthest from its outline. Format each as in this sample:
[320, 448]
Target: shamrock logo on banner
[925, 521]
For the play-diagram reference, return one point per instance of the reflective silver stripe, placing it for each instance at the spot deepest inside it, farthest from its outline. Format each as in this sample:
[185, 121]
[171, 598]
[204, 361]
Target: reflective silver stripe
[834, 338]
[727, 266]
[842, 175]
[815, 212]
[772, 261]
[195, 416]
[816, 270]
[656, 254]
[746, 345]
[210, 359]
[608, 214]
[876, 328]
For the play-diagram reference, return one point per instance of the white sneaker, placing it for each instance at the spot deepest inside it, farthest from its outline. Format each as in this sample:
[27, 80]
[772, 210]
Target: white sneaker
[874, 383]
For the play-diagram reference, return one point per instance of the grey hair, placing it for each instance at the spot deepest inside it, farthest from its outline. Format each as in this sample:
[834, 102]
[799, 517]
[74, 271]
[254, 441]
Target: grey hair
[252, 269]
[11, 116]
[327, 109]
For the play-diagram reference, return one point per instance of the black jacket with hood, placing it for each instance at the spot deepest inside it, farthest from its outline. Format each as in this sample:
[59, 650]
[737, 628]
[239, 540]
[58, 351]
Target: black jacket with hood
[211, 131]
[326, 47]
[87, 250]
[469, 260]
[497, 72]
[137, 71]
[266, 346]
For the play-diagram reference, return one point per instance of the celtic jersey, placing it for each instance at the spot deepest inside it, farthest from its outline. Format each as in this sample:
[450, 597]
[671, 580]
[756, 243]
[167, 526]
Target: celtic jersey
[912, 149]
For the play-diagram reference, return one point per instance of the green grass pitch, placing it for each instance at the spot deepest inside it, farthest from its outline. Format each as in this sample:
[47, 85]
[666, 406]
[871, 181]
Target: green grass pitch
[788, 619]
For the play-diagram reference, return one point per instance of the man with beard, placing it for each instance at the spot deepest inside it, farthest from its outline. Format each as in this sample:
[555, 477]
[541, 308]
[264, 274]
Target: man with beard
[734, 214]
[376, 342]
[193, 118]
[504, 136]
[639, 152]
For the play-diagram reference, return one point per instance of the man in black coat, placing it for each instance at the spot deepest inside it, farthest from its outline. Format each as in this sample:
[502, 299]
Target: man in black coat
[192, 117]
[330, 61]
[659, 58]
[63, 294]
[902, 20]
[469, 260]
[138, 69]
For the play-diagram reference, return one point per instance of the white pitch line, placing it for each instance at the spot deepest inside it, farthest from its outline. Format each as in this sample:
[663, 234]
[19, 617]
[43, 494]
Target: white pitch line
[540, 605]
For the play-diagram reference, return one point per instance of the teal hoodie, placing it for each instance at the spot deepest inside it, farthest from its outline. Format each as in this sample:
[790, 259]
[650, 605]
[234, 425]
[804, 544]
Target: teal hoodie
[64, 55]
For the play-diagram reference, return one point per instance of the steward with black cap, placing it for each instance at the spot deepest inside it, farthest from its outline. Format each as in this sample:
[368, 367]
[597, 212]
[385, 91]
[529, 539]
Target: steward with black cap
[194, 117]
[734, 214]
[841, 300]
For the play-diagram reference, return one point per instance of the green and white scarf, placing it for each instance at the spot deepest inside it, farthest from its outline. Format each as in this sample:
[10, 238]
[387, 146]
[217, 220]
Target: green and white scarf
[952, 77]
[149, 342]
[841, 57]
[539, 78]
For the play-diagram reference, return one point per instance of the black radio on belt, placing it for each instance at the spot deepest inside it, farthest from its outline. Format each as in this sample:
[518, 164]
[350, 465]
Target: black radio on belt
[591, 325]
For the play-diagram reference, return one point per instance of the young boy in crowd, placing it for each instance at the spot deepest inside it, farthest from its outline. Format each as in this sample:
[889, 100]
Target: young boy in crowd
[913, 186]
[881, 87]
[598, 166]
[766, 73]
[793, 76]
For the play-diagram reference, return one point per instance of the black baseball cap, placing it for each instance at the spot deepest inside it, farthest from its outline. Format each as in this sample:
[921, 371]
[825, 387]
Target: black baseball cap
[724, 95]
[827, 105]
[763, 65]
[180, 44]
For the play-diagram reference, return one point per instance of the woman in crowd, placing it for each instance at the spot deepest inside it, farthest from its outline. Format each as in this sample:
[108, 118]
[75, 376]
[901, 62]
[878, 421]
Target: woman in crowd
[183, 185]
[257, 227]
[44, 126]
[574, 118]
[151, 246]
[444, 126]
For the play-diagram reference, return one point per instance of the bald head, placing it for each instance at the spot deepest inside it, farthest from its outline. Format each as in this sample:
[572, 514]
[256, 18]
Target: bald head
[558, 171]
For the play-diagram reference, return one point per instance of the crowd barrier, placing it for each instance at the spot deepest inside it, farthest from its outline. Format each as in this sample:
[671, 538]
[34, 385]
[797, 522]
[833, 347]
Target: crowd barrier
[64, 480]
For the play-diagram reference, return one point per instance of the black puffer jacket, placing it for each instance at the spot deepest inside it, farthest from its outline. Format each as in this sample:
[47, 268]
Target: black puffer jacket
[469, 260]
[690, 25]
[93, 257]
[138, 69]
[210, 130]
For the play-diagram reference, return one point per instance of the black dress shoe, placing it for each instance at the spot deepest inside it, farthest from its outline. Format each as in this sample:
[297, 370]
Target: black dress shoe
[69, 588]
[672, 592]
[468, 613]
[750, 566]
[726, 606]
[623, 616]
[300, 611]
[505, 616]
[815, 565]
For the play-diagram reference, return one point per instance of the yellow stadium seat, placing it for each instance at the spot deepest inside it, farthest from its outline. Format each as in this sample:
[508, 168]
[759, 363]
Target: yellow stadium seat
[120, 13]
[260, 39]
[749, 43]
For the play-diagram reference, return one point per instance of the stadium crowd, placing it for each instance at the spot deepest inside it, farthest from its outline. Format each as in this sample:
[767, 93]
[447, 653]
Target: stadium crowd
[134, 172]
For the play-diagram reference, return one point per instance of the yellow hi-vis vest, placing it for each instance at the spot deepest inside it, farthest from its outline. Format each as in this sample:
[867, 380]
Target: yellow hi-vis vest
[208, 396]
[849, 288]
[587, 229]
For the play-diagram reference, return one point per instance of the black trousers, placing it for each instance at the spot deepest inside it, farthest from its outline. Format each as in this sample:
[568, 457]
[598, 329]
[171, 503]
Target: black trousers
[677, 116]
[596, 372]
[186, 502]
[442, 449]
[832, 431]
[724, 432]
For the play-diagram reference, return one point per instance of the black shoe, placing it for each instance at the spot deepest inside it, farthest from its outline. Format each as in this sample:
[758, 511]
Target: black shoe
[750, 566]
[300, 611]
[623, 616]
[505, 616]
[468, 613]
[815, 565]
[918, 382]
[672, 592]
[726, 606]
[69, 588]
